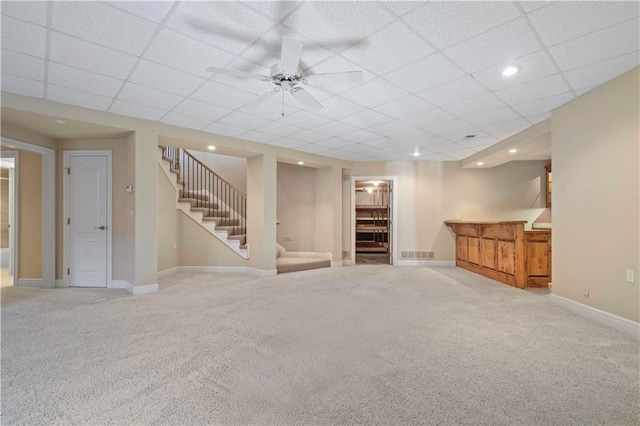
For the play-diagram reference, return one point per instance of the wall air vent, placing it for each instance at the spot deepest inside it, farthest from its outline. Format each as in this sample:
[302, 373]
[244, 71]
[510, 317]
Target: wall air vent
[346, 255]
[417, 255]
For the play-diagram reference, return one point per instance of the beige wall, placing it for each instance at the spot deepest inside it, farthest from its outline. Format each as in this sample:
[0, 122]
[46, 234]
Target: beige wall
[231, 169]
[119, 199]
[596, 197]
[29, 215]
[430, 192]
[168, 255]
[25, 135]
[296, 209]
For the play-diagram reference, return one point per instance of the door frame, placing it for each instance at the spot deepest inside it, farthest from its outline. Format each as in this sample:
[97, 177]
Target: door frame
[48, 212]
[13, 212]
[394, 214]
[66, 154]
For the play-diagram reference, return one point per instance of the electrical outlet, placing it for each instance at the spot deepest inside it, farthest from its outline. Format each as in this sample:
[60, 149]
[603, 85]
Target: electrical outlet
[631, 278]
[287, 238]
[175, 246]
[585, 290]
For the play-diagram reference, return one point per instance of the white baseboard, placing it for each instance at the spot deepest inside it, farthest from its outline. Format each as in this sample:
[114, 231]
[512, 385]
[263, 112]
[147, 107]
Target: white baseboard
[337, 263]
[30, 282]
[219, 270]
[429, 263]
[262, 272]
[168, 272]
[133, 289]
[347, 262]
[598, 315]
[61, 284]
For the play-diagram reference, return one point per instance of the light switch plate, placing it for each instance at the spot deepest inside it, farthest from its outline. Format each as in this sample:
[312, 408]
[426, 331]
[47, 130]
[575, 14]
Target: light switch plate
[631, 278]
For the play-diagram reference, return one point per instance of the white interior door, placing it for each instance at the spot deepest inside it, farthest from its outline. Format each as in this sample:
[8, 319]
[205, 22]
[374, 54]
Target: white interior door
[87, 221]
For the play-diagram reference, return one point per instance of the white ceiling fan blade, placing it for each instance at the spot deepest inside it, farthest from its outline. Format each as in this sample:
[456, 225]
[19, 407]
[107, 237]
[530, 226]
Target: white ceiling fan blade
[290, 55]
[347, 77]
[239, 74]
[261, 99]
[305, 98]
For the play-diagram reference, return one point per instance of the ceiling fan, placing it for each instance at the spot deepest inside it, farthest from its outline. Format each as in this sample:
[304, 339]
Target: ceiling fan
[286, 76]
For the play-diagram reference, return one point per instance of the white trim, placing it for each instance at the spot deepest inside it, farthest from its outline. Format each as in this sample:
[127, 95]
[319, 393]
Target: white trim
[30, 282]
[348, 262]
[67, 154]
[136, 290]
[12, 250]
[337, 264]
[428, 263]
[394, 214]
[262, 272]
[219, 270]
[168, 272]
[603, 317]
[48, 208]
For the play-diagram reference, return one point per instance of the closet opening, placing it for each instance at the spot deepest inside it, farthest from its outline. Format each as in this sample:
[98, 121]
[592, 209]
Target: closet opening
[373, 221]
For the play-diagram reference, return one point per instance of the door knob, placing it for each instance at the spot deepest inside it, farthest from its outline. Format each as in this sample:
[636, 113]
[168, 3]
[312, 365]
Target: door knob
[102, 228]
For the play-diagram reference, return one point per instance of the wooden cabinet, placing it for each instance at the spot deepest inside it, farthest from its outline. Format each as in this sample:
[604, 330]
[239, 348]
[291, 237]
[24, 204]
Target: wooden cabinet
[504, 251]
[372, 228]
[548, 185]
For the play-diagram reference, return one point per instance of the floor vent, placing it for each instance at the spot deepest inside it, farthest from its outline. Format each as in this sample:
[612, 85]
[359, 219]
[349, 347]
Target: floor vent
[346, 255]
[417, 255]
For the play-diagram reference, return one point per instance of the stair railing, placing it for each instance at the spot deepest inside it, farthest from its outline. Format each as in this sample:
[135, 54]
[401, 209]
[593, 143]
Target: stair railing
[210, 190]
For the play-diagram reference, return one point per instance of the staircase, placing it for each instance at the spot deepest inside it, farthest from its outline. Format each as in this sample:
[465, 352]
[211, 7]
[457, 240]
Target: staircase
[207, 198]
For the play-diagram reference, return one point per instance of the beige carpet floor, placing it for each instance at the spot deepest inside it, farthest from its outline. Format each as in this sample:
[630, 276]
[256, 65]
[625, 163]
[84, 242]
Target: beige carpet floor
[353, 345]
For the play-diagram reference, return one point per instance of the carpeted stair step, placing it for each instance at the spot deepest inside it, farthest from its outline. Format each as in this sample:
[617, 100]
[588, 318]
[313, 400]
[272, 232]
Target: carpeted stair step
[214, 212]
[222, 221]
[232, 230]
[196, 203]
[193, 194]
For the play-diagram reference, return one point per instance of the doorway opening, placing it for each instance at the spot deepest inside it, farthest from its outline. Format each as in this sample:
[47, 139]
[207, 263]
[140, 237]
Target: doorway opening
[8, 217]
[373, 214]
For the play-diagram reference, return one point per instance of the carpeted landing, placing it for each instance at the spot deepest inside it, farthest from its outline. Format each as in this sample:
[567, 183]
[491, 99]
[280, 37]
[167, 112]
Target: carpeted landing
[352, 345]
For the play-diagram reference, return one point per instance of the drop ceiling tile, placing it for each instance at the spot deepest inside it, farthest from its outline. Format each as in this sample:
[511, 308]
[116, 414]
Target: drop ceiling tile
[402, 7]
[479, 104]
[564, 21]
[200, 109]
[164, 78]
[304, 119]
[185, 121]
[335, 128]
[447, 148]
[275, 10]
[308, 136]
[360, 136]
[338, 24]
[598, 46]
[135, 110]
[380, 143]
[75, 97]
[22, 86]
[541, 106]
[332, 143]
[580, 92]
[184, 53]
[259, 137]
[85, 81]
[336, 153]
[447, 127]
[533, 67]
[430, 118]
[407, 106]
[20, 65]
[152, 10]
[534, 119]
[243, 120]
[23, 37]
[355, 148]
[428, 72]
[596, 74]
[90, 57]
[460, 136]
[338, 107]
[102, 24]
[312, 148]
[30, 11]
[508, 41]
[395, 128]
[461, 154]
[225, 96]
[272, 110]
[461, 20]
[390, 48]
[279, 129]
[150, 97]
[288, 143]
[529, 6]
[531, 91]
[366, 118]
[248, 85]
[453, 91]
[375, 92]
[226, 25]
[224, 129]
[492, 117]
[478, 143]
[516, 125]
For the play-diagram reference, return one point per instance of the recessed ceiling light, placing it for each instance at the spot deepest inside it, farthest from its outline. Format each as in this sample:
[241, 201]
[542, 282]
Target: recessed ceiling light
[376, 183]
[300, 163]
[480, 163]
[510, 70]
[211, 148]
[513, 151]
[61, 121]
[416, 154]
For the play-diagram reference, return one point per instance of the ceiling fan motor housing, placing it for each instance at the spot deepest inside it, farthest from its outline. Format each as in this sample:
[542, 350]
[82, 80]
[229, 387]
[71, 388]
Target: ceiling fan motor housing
[278, 74]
